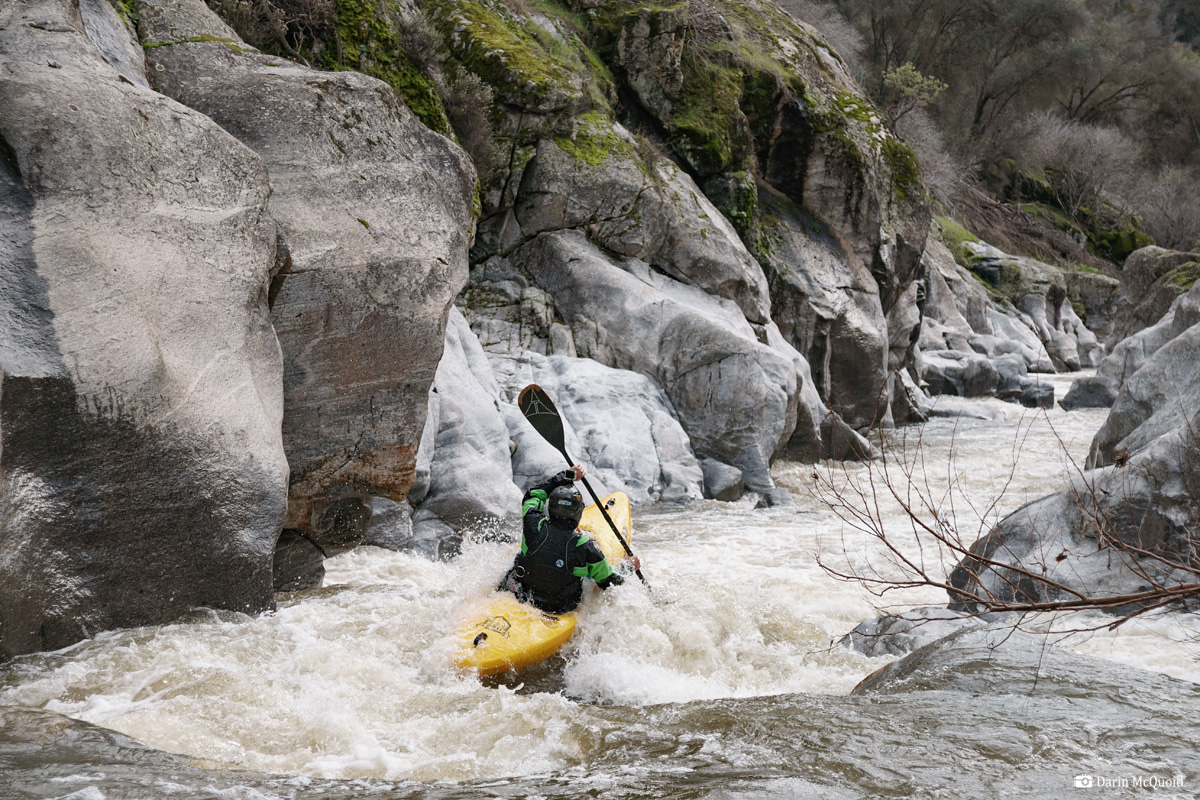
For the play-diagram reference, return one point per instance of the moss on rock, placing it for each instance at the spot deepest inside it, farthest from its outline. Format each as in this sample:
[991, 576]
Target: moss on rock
[501, 48]
[594, 141]
[369, 41]
[1185, 275]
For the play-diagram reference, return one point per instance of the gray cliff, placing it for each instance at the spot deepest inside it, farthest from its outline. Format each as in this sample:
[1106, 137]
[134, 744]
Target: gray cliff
[252, 304]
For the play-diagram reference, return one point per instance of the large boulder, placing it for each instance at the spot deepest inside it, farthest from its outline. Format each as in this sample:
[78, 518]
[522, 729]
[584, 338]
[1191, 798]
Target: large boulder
[1132, 354]
[374, 214]
[470, 481]
[1158, 399]
[142, 472]
[619, 424]
[961, 316]
[1151, 280]
[114, 35]
[1090, 391]
[595, 181]
[954, 372]
[735, 396]
[827, 306]
[1039, 292]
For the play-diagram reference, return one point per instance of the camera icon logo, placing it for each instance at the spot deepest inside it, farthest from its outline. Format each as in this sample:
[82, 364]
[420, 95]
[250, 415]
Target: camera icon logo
[1084, 781]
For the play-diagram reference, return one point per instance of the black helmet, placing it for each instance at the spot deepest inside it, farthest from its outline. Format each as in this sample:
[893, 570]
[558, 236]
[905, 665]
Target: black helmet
[566, 505]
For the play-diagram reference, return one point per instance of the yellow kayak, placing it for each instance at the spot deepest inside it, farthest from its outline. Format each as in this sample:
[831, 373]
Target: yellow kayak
[500, 634]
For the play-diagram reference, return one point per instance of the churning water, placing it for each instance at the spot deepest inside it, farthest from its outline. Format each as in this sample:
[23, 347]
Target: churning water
[726, 681]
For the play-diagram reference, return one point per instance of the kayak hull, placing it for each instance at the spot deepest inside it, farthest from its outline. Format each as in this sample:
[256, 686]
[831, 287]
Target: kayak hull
[503, 634]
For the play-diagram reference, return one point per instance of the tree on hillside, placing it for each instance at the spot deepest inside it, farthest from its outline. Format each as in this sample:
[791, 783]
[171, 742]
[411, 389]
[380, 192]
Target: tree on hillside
[987, 52]
[1023, 43]
[1182, 18]
[907, 90]
[1113, 66]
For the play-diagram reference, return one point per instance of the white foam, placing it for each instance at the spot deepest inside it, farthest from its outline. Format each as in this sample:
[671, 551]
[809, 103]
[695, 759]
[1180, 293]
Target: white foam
[354, 680]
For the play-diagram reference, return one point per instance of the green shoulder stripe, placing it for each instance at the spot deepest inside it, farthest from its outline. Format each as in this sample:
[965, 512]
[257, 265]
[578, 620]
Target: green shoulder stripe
[536, 502]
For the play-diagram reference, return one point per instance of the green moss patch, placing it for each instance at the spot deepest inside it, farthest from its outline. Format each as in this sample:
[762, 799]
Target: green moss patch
[955, 236]
[707, 124]
[502, 50]
[594, 141]
[369, 41]
[1185, 275]
[904, 167]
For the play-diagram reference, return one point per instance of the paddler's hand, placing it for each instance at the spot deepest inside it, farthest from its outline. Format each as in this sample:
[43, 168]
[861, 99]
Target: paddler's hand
[634, 562]
[578, 470]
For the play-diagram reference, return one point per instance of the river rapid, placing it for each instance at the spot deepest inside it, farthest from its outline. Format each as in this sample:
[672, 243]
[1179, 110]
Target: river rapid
[726, 681]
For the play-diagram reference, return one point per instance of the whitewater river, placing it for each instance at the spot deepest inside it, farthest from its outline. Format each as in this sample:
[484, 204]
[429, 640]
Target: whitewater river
[728, 682]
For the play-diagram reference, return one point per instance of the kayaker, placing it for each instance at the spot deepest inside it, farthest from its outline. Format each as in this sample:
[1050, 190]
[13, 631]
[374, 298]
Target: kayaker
[555, 557]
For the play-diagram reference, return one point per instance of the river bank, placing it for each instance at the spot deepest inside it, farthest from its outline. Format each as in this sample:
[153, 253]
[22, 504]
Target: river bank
[736, 686]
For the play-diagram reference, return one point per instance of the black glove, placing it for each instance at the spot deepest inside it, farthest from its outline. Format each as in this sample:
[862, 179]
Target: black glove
[612, 580]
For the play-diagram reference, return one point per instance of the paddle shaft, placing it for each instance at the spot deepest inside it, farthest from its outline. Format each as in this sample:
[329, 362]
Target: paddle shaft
[604, 511]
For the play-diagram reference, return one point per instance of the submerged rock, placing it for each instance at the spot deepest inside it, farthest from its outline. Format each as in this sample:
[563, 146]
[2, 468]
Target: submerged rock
[999, 663]
[900, 634]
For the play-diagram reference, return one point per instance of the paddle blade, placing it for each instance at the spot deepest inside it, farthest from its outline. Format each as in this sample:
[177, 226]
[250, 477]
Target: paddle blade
[539, 409]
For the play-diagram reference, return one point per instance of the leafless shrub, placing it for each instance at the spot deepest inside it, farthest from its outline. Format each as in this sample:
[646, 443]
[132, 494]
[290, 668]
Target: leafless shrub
[468, 102]
[946, 175]
[948, 540]
[290, 25]
[1084, 162]
[1168, 202]
[422, 44]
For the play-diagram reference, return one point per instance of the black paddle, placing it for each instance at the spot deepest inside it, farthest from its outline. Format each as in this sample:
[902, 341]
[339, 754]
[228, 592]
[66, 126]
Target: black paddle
[539, 409]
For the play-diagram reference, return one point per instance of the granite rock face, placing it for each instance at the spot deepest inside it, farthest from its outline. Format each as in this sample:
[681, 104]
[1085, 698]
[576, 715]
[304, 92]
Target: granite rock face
[829, 309]
[142, 469]
[470, 479]
[1152, 278]
[656, 213]
[619, 423]
[1128, 523]
[374, 213]
[735, 396]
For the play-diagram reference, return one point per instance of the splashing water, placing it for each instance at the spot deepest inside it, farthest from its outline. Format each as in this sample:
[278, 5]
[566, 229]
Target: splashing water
[354, 680]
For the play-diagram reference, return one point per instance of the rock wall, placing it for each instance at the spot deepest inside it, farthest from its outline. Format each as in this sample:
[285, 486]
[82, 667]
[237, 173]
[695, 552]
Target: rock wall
[374, 213]
[142, 469]
[759, 222]
[154, 436]
[988, 330]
